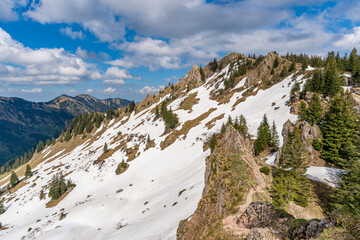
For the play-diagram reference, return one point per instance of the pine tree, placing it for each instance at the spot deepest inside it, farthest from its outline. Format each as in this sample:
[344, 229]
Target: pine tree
[132, 106]
[263, 136]
[213, 142]
[276, 63]
[347, 194]
[304, 64]
[303, 111]
[340, 130]
[105, 149]
[291, 184]
[292, 67]
[314, 112]
[2, 209]
[13, 179]
[353, 58]
[274, 142]
[243, 128]
[58, 186]
[28, 171]
[202, 74]
[40, 146]
[332, 80]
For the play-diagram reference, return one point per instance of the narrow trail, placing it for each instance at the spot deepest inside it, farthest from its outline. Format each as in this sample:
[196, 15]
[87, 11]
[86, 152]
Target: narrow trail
[230, 222]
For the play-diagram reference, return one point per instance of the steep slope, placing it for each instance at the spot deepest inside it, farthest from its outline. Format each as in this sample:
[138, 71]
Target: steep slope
[24, 123]
[165, 177]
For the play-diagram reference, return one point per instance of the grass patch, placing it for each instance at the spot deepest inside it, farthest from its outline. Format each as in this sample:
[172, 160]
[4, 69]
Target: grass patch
[189, 102]
[185, 129]
[211, 123]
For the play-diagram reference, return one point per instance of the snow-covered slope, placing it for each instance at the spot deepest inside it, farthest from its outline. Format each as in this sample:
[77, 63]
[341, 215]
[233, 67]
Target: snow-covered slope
[160, 187]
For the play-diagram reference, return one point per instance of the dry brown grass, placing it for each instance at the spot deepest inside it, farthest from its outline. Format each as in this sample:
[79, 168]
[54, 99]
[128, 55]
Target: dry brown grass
[171, 138]
[189, 102]
[211, 123]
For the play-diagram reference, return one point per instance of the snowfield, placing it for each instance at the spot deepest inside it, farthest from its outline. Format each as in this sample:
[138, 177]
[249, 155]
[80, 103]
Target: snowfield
[160, 187]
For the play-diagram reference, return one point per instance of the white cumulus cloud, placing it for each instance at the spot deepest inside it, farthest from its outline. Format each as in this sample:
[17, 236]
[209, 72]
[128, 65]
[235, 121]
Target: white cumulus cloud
[110, 90]
[34, 90]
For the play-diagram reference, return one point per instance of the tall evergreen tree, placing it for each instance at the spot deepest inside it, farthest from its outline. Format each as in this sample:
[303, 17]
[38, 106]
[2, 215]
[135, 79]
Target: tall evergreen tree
[13, 179]
[291, 184]
[263, 136]
[28, 171]
[213, 142]
[332, 80]
[274, 142]
[314, 112]
[340, 130]
[243, 128]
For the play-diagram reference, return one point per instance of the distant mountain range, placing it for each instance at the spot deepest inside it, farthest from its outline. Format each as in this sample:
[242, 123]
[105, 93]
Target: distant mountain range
[24, 123]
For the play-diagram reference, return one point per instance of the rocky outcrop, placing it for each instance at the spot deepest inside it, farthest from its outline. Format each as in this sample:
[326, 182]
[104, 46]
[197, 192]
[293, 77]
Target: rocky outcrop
[267, 222]
[257, 75]
[231, 171]
[191, 80]
[309, 133]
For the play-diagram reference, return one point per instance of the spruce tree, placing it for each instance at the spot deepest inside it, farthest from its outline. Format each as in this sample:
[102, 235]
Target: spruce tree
[243, 128]
[304, 65]
[263, 136]
[314, 112]
[105, 149]
[2, 209]
[291, 184]
[28, 171]
[13, 179]
[213, 142]
[276, 63]
[274, 136]
[292, 67]
[332, 80]
[340, 130]
[202, 74]
[303, 111]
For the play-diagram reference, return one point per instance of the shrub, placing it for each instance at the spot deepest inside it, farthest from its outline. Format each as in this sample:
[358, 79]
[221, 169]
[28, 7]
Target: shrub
[316, 145]
[265, 170]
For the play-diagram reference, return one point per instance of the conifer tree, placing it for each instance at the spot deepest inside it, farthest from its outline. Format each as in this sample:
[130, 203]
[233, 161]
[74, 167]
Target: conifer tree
[243, 128]
[303, 111]
[340, 130]
[292, 67]
[314, 112]
[13, 179]
[274, 142]
[105, 149]
[28, 171]
[332, 80]
[304, 65]
[276, 63]
[291, 184]
[40, 146]
[263, 136]
[2, 209]
[213, 142]
[353, 58]
[202, 74]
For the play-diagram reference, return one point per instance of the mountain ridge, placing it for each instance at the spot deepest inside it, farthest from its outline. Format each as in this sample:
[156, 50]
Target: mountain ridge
[27, 122]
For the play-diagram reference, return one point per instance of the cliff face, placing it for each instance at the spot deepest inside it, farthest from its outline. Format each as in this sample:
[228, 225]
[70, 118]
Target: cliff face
[231, 172]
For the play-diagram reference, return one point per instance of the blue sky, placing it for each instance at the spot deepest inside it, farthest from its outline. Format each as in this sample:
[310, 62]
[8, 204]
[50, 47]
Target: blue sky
[128, 49]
